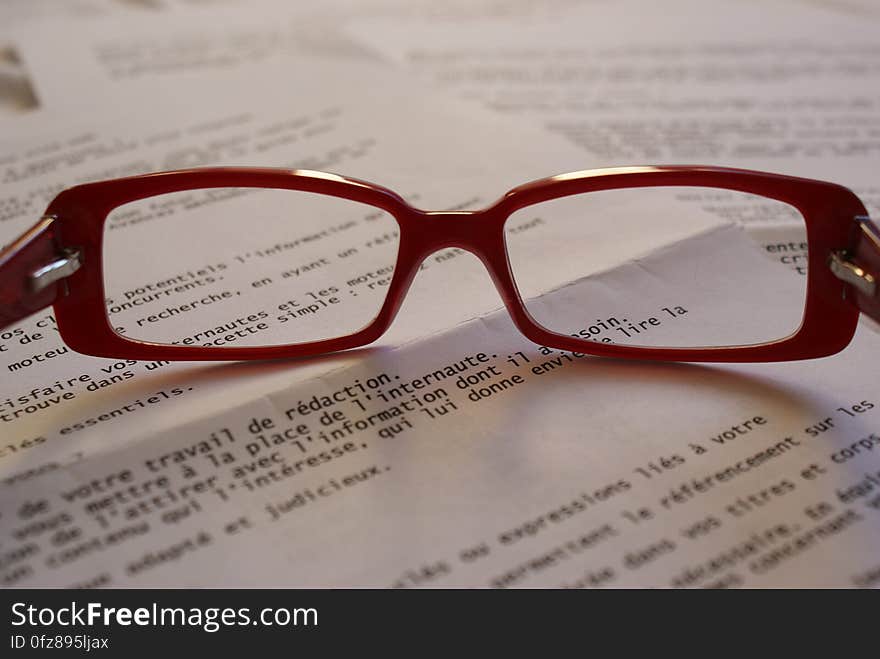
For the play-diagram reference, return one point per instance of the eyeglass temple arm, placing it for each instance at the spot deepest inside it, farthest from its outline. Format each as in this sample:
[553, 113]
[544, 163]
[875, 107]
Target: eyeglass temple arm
[32, 268]
[860, 267]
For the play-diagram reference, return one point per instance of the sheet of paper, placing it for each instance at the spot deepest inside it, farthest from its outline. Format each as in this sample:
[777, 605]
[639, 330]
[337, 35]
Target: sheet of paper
[105, 56]
[474, 458]
[758, 85]
[109, 55]
[17, 92]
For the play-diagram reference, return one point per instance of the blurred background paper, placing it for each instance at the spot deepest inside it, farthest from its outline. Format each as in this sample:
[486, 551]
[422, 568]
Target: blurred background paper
[771, 85]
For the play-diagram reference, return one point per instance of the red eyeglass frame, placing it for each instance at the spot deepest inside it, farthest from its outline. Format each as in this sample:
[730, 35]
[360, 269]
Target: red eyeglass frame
[836, 222]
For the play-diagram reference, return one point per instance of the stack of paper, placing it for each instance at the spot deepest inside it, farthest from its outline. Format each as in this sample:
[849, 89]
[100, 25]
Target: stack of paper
[453, 451]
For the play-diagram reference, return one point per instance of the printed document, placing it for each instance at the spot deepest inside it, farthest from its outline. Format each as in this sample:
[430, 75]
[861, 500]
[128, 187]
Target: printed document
[453, 452]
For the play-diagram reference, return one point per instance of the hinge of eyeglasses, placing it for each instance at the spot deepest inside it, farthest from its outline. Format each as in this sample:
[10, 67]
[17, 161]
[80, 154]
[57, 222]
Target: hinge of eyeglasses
[849, 272]
[842, 266]
[68, 262]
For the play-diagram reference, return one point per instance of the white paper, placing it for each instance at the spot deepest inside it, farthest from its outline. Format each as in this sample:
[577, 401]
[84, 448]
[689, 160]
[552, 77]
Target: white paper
[111, 53]
[474, 458]
[771, 86]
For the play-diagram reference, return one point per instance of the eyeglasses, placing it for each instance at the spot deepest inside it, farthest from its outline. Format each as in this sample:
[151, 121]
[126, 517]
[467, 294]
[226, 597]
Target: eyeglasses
[642, 262]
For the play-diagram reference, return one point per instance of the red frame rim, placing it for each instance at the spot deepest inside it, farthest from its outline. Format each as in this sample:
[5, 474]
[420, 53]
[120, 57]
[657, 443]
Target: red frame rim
[828, 209]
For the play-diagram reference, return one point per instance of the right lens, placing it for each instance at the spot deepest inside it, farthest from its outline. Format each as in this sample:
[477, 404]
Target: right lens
[677, 267]
[230, 267]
